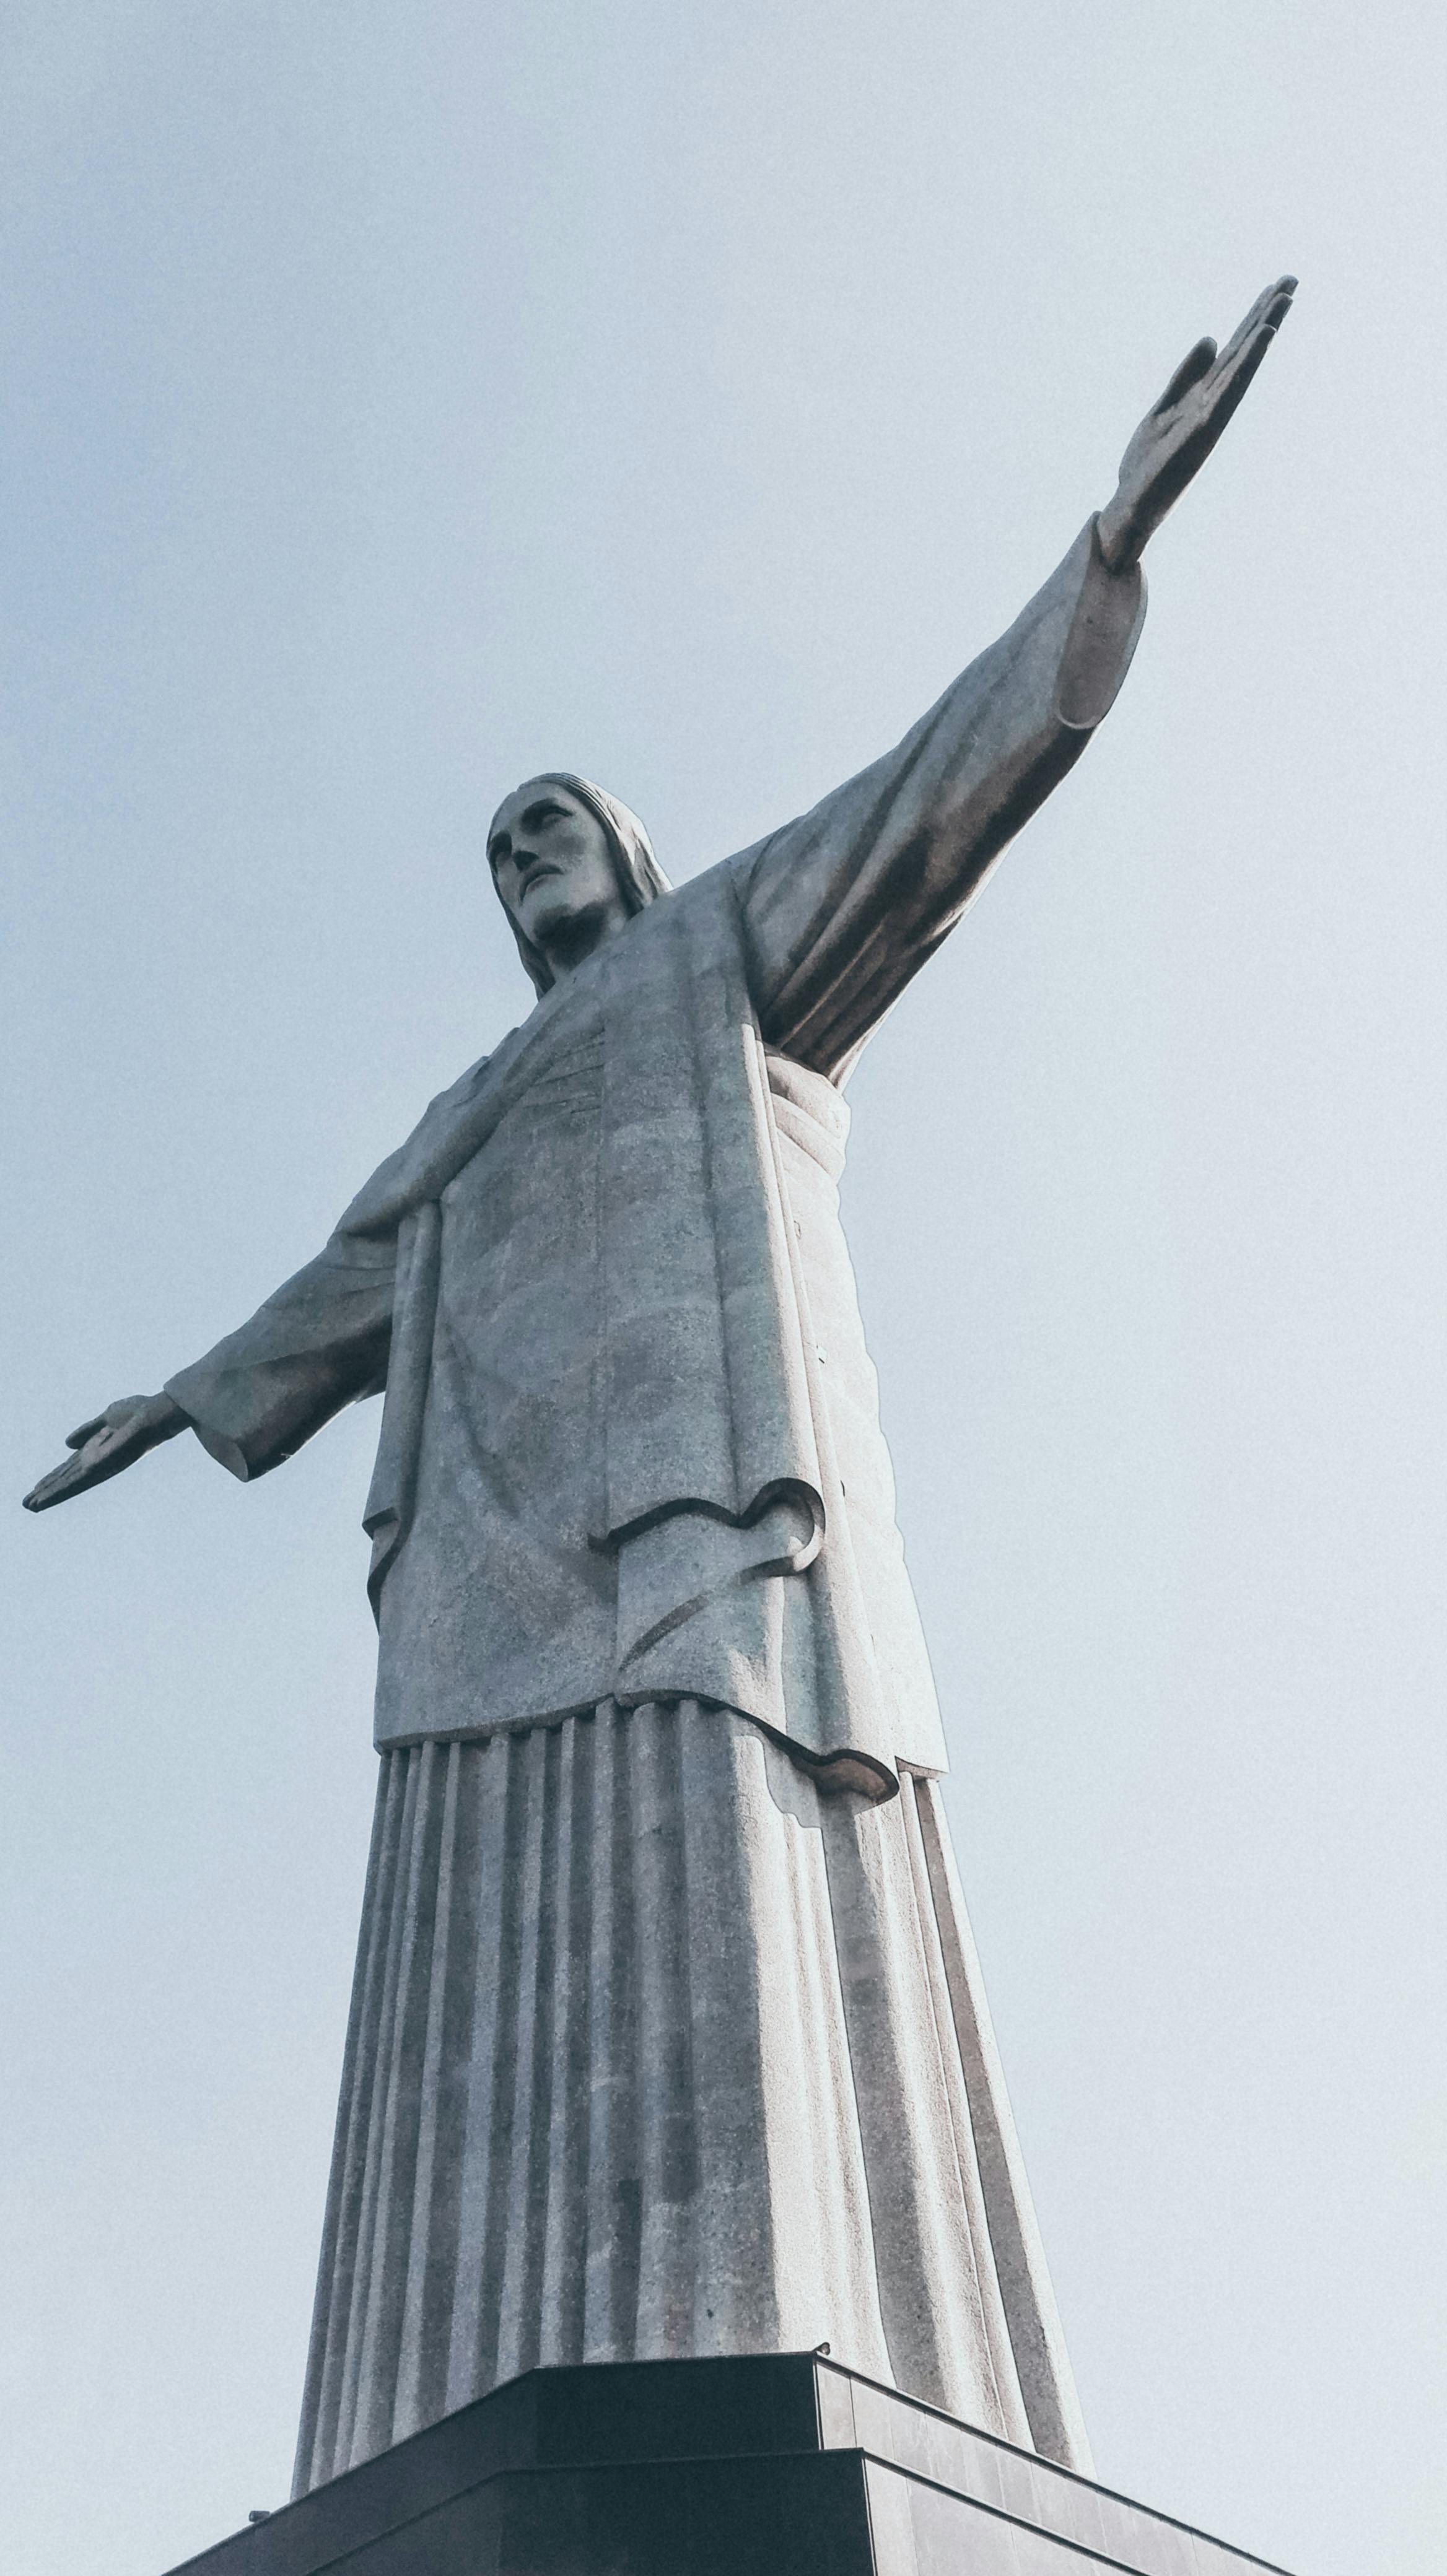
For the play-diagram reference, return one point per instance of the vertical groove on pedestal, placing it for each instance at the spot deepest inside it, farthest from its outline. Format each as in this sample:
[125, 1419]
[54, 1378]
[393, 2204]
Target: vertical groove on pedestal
[1057, 2426]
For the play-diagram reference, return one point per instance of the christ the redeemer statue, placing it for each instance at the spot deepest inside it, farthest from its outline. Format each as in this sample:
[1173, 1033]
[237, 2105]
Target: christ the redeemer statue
[667, 2036]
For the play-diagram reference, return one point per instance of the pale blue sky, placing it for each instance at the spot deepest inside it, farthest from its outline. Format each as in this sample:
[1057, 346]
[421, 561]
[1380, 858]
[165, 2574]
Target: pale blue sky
[400, 399]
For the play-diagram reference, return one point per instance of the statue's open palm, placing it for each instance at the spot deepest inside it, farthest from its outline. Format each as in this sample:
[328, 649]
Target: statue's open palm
[1175, 439]
[107, 1443]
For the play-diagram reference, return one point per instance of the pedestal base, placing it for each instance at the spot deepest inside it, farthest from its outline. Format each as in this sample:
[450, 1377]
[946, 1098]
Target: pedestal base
[781, 2465]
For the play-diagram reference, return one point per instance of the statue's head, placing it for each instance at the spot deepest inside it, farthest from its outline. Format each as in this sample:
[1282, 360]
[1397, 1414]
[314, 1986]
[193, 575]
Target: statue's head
[571, 866]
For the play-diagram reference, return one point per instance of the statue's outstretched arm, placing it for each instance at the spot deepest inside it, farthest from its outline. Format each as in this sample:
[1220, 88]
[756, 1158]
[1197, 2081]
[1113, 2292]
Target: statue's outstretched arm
[844, 905]
[320, 1342]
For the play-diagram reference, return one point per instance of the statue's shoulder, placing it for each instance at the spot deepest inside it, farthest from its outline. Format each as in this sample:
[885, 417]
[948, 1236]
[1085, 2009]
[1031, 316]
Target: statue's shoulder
[407, 1176]
[701, 914]
[464, 1087]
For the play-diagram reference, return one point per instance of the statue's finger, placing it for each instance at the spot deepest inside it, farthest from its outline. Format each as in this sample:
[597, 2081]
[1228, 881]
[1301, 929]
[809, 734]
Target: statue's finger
[1195, 364]
[1226, 391]
[1234, 377]
[116, 1417]
[1270, 308]
[54, 1487]
[1272, 305]
[100, 1459]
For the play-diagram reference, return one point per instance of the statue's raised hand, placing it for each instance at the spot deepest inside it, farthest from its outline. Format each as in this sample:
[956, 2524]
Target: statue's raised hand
[107, 1443]
[1174, 440]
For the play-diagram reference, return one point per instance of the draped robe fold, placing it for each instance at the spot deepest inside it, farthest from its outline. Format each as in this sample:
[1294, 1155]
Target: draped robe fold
[633, 1522]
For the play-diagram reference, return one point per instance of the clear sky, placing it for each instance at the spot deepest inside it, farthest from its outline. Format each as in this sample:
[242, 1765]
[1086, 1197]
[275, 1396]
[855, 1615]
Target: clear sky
[402, 398]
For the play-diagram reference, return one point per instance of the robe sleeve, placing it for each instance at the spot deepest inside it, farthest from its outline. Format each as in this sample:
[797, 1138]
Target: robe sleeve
[843, 906]
[318, 1344]
[325, 1339]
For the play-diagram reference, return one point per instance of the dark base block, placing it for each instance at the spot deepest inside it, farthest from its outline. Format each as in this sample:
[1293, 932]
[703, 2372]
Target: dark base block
[780, 2465]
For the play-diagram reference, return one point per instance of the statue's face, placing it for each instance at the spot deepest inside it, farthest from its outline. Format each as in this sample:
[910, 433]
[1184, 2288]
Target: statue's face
[553, 868]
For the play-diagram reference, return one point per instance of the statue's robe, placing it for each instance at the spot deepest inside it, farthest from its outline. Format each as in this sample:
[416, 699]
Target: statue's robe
[667, 2036]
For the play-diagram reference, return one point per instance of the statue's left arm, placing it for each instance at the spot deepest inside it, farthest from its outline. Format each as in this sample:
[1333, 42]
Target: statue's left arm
[843, 906]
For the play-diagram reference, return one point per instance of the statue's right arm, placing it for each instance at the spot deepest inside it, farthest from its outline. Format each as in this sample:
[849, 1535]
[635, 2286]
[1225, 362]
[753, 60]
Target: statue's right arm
[321, 1342]
[318, 1344]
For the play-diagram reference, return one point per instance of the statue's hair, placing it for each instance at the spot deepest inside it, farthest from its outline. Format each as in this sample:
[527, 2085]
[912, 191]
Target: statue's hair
[640, 878]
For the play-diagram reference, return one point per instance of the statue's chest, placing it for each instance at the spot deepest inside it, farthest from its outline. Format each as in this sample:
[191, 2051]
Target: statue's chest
[520, 1224]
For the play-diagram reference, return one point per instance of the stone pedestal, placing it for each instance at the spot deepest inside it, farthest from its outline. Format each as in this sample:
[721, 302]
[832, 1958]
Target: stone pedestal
[782, 2465]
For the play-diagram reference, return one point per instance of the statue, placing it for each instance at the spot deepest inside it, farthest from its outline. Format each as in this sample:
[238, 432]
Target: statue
[667, 2035]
